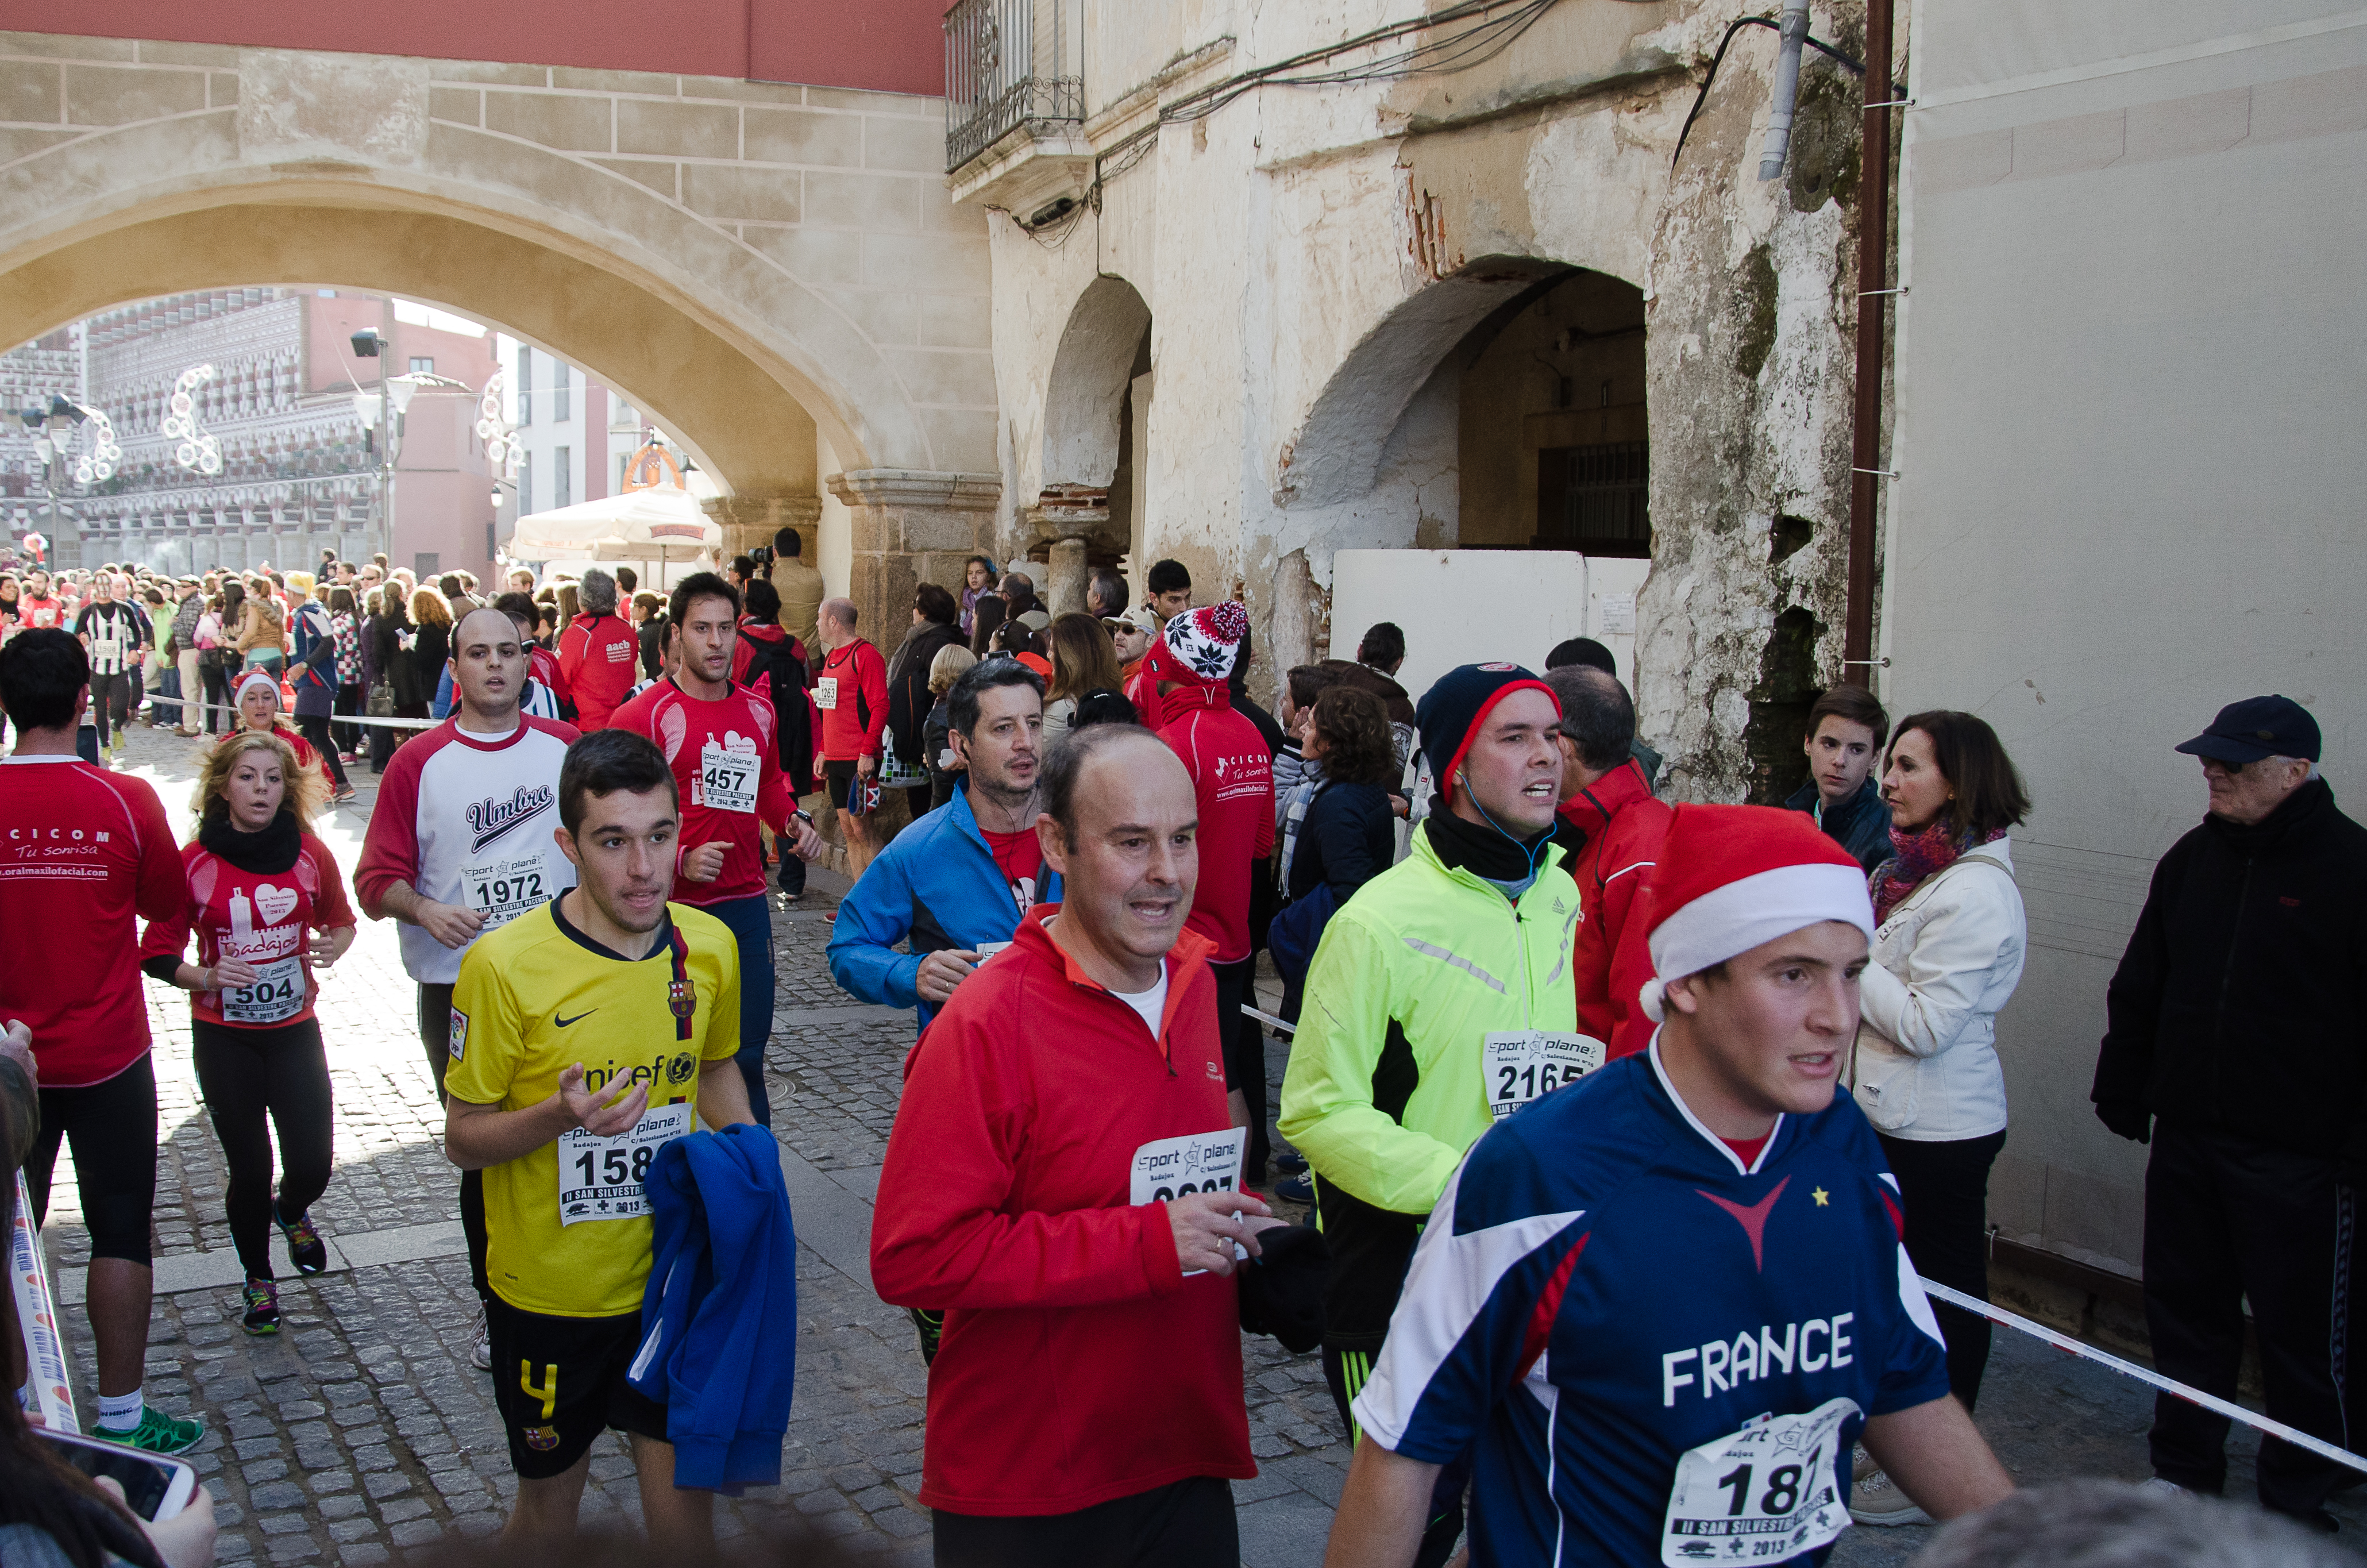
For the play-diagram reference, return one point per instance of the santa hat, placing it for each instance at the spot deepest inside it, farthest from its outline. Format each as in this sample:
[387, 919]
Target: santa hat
[269, 679]
[1455, 707]
[1730, 878]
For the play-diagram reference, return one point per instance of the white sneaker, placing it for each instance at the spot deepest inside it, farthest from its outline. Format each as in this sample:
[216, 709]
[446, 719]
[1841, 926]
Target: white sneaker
[1862, 1465]
[2155, 1486]
[480, 1354]
[1877, 1501]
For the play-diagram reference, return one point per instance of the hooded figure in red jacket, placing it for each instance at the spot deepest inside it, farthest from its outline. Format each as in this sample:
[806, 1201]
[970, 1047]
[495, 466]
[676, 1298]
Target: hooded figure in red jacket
[1063, 1184]
[1610, 807]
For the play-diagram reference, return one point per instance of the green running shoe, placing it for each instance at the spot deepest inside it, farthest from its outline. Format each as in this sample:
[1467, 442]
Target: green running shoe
[931, 1325]
[157, 1432]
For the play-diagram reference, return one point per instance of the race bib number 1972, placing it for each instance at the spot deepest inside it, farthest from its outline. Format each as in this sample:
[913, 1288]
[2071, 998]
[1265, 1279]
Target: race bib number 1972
[501, 890]
[1766, 1494]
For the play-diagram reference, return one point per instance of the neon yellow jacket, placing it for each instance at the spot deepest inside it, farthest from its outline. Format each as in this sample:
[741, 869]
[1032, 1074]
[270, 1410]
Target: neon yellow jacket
[1385, 1089]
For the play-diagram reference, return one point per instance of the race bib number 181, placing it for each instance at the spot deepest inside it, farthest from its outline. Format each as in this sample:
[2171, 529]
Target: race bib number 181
[1766, 1494]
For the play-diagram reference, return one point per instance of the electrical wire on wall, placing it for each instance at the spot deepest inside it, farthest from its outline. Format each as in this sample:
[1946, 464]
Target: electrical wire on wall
[1847, 61]
[1495, 26]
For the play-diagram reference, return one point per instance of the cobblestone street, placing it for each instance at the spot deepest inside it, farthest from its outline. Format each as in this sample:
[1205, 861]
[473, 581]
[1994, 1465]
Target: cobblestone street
[363, 1429]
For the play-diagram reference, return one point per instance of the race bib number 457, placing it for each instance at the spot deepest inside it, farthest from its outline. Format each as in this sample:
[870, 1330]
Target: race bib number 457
[1766, 1494]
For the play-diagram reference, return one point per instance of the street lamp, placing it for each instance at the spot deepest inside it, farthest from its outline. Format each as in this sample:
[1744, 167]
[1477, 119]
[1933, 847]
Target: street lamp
[52, 430]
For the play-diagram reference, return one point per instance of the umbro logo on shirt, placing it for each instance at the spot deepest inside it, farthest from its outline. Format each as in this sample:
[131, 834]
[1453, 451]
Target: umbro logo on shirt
[489, 819]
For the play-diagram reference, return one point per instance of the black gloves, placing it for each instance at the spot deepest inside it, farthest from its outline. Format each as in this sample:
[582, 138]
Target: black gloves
[2126, 1118]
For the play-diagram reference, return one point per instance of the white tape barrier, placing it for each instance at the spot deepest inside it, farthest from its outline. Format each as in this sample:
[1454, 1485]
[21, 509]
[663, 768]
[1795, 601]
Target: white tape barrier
[186, 703]
[37, 1310]
[2129, 1369]
[2085, 1352]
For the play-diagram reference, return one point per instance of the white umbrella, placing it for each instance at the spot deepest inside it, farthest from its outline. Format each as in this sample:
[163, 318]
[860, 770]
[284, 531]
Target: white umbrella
[639, 524]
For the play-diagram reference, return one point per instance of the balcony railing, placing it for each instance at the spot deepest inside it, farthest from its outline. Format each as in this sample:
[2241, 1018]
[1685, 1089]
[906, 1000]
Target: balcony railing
[1010, 62]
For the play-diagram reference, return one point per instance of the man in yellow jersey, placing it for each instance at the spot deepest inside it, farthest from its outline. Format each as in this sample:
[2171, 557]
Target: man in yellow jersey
[583, 1033]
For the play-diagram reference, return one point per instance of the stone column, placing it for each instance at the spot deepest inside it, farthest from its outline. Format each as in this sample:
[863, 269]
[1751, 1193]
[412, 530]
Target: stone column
[911, 526]
[751, 520]
[1074, 519]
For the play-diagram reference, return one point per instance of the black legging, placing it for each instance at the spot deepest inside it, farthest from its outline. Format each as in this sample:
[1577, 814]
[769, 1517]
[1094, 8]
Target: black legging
[315, 728]
[349, 701]
[244, 1074]
[217, 680]
[1944, 1189]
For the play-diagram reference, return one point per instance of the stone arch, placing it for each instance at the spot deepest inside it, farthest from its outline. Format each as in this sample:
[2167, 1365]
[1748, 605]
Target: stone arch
[1087, 386]
[1336, 453]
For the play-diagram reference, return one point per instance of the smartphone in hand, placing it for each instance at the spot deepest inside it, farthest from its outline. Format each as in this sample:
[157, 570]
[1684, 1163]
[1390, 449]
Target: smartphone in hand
[155, 1485]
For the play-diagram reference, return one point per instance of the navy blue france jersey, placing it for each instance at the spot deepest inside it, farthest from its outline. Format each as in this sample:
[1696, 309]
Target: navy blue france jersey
[1605, 1286]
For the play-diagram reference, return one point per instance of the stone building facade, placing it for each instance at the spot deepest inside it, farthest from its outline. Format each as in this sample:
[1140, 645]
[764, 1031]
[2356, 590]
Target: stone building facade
[1247, 319]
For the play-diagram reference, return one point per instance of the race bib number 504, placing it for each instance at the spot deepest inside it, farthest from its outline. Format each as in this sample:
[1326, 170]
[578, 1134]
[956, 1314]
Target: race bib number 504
[1766, 1494]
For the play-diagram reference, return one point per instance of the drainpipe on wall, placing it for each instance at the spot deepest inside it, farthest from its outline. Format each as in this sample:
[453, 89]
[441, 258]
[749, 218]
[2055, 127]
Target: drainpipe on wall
[1872, 293]
[1793, 29]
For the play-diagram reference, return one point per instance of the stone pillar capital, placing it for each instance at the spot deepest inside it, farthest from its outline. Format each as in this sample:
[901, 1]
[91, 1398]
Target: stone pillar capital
[917, 487]
[910, 527]
[750, 520]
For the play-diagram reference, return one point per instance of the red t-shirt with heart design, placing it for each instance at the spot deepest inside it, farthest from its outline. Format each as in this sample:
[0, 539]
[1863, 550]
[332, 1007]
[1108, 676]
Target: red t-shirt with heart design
[266, 920]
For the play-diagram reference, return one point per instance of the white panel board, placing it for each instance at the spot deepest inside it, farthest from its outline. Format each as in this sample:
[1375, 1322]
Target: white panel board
[1466, 606]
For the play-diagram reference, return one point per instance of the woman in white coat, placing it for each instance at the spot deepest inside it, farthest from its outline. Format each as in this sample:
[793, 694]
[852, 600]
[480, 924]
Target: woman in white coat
[1948, 949]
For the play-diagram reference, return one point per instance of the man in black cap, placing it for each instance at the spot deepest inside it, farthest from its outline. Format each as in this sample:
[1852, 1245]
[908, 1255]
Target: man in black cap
[2233, 1042]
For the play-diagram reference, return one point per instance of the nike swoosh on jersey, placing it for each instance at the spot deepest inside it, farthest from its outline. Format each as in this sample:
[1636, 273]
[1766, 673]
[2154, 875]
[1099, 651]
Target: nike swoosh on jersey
[578, 1019]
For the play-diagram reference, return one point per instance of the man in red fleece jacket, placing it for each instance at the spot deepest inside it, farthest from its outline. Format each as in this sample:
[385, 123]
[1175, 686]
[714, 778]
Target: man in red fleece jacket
[1062, 1182]
[1610, 806]
[851, 690]
[596, 653]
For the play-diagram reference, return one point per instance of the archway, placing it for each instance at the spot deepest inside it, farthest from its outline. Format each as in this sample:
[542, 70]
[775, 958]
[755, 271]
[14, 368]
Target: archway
[1502, 407]
[1096, 405]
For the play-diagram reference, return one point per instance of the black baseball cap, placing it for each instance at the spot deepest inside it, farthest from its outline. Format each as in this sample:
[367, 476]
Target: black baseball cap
[2258, 727]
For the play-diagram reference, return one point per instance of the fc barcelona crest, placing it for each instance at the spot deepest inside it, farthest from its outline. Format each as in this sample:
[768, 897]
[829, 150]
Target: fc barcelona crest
[682, 999]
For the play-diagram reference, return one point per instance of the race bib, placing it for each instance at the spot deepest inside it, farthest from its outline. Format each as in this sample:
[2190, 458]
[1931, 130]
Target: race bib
[826, 693]
[1521, 1064]
[501, 890]
[277, 995]
[604, 1179]
[1763, 1495]
[1198, 1162]
[727, 780]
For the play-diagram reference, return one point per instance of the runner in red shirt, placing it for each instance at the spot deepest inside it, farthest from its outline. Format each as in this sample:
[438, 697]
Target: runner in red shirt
[597, 653]
[1610, 809]
[82, 851]
[39, 609]
[721, 740]
[1185, 672]
[258, 885]
[851, 690]
[1035, 1192]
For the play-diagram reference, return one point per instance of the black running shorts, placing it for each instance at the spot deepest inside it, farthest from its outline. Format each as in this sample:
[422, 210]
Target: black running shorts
[560, 1381]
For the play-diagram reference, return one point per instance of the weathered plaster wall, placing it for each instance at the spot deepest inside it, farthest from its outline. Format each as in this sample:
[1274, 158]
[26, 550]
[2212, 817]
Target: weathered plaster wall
[1321, 267]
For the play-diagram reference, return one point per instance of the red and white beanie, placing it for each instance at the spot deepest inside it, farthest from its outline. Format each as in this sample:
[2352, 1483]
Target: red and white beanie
[1730, 878]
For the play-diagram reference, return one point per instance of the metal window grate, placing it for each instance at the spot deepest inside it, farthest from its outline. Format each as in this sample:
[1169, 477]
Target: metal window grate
[1594, 498]
[1010, 62]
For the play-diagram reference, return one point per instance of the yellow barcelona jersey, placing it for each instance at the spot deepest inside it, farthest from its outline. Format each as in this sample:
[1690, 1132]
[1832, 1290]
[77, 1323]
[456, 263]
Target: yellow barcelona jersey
[568, 1227]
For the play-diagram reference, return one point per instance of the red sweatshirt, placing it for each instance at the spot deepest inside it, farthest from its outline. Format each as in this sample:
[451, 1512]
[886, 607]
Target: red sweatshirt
[266, 920]
[81, 851]
[1078, 1364]
[727, 763]
[543, 666]
[598, 657]
[851, 690]
[1623, 827]
[1233, 775]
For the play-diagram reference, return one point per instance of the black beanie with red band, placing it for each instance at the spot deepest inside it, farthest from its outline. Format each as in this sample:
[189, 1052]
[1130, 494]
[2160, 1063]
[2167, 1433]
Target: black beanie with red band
[1457, 703]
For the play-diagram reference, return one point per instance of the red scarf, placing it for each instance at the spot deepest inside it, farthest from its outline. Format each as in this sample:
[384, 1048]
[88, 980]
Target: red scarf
[1916, 857]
